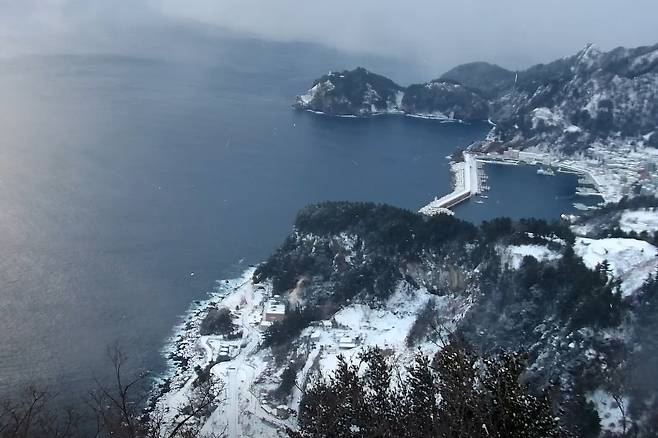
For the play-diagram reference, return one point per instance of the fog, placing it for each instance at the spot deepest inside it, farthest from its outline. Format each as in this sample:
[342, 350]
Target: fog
[434, 34]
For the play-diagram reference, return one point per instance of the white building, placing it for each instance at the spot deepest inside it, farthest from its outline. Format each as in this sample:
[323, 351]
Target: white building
[274, 311]
[346, 343]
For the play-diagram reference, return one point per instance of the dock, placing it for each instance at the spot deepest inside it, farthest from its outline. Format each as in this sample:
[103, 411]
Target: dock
[467, 183]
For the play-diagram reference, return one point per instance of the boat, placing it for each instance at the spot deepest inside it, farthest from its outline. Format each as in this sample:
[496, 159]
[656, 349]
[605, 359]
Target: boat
[545, 171]
[479, 202]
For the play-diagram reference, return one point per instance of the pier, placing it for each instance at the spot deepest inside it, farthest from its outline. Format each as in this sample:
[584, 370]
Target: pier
[467, 183]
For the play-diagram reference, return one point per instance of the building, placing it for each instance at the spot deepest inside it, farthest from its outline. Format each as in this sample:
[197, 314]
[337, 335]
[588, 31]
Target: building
[224, 354]
[274, 311]
[346, 343]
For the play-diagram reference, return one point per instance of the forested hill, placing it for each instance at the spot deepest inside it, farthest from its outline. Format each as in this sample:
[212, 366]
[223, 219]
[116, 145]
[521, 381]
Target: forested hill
[525, 285]
[566, 104]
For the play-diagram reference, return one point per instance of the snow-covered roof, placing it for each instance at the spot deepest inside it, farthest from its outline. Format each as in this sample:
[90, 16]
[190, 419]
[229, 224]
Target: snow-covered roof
[275, 308]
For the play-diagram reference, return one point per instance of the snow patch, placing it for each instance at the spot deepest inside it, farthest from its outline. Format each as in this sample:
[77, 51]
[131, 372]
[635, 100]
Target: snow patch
[609, 412]
[572, 129]
[514, 254]
[631, 261]
[639, 220]
[547, 116]
[320, 87]
[359, 327]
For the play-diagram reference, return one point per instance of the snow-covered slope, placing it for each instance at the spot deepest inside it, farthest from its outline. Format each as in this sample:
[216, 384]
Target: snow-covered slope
[570, 103]
[566, 105]
[639, 220]
[246, 407]
[373, 275]
[514, 254]
[630, 260]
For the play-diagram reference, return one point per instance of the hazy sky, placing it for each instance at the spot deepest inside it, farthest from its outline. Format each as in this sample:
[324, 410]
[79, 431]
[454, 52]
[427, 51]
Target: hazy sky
[436, 33]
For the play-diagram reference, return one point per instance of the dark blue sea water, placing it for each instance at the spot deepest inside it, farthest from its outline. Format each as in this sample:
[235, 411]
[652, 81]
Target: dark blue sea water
[128, 185]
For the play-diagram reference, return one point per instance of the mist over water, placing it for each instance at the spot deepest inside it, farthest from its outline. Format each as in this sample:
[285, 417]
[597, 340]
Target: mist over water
[128, 185]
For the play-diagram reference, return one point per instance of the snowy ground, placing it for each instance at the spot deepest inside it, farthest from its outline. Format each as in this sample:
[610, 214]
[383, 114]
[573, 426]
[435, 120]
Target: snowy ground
[630, 260]
[639, 220]
[386, 327]
[245, 407]
[609, 411]
[513, 255]
[239, 410]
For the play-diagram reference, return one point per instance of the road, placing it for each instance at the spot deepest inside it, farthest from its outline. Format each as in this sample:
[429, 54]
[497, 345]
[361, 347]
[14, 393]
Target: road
[240, 412]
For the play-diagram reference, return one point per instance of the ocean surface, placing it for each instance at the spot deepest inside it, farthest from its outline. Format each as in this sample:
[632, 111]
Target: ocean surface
[128, 185]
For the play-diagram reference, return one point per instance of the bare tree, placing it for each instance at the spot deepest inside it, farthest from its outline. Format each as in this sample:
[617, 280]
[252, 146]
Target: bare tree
[116, 408]
[33, 416]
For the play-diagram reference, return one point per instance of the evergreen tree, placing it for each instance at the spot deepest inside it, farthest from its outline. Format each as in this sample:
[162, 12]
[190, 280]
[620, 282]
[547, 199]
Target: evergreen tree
[513, 411]
[458, 395]
[420, 409]
[382, 406]
[457, 381]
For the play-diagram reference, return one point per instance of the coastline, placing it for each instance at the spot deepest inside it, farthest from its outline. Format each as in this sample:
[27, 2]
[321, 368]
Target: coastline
[181, 346]
[441, 118]
[186, 350]
[611, 169]
[243, 404]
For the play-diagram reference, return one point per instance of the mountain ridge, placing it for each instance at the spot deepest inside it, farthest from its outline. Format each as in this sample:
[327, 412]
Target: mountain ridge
[568, 103]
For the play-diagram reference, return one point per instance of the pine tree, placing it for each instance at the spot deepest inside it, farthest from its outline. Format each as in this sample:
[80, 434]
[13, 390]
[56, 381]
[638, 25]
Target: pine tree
[513, 411]
[420, 409]
[382, 403]
[459, 395]
[461, 411]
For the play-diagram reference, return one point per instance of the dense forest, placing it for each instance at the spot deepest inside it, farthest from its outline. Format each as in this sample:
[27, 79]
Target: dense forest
[454, 394]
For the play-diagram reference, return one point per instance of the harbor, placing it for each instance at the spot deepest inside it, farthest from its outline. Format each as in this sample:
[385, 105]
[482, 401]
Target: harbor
[468, 180]
[588, 185]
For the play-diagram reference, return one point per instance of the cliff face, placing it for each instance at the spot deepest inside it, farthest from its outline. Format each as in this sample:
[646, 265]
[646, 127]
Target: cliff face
[566, 104]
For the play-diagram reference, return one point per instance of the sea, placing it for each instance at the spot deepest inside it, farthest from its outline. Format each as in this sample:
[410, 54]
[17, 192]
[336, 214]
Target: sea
[130, 184]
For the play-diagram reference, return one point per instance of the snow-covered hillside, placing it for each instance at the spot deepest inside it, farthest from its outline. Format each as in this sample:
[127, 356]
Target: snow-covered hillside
[360, 93]
[639, 220]
[514, 254]
[631, 261]
[374, 275]
[246, 407]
